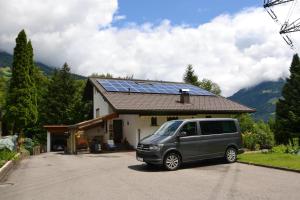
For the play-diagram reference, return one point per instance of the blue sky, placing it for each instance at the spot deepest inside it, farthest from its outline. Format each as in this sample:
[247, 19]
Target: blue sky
[191, 12]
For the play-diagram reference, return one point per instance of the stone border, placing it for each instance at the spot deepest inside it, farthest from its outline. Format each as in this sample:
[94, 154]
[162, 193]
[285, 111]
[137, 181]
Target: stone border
[268, 166]
[9, 165]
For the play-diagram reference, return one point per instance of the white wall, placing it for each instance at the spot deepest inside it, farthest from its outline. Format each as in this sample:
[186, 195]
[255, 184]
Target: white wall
[133, 123]
[99, 102]
[130, 128]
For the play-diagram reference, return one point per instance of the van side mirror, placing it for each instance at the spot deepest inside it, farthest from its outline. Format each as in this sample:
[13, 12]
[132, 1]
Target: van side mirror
[182, 134]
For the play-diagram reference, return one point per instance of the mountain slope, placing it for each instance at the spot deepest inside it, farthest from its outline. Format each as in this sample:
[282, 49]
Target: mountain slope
[6, 61]
[262, 97]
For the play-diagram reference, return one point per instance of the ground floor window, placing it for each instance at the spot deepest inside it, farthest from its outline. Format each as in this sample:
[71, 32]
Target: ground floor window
[154, 121]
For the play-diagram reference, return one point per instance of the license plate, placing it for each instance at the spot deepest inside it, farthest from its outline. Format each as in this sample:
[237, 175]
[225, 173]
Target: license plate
[140, 159]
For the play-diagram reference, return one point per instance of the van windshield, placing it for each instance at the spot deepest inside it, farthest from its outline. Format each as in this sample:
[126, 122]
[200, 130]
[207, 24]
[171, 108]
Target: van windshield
[168, 128]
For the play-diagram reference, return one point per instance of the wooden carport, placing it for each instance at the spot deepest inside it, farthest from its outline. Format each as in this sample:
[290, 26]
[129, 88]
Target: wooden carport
[73, 130]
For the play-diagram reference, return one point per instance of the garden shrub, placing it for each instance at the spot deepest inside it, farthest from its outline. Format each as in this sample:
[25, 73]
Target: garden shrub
[249, 140]
[285, 149]
[28, 145]
[261, 137]
[2, 162]
[6, 154]
[264, 135]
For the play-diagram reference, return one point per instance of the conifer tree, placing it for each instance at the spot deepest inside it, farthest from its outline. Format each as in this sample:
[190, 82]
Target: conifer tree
[60, 97]
[190, 76]
[20, 109]
[32, 70]
[288, 107]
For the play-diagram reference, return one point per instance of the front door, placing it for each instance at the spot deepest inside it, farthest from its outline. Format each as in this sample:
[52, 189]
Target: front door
[118, 130]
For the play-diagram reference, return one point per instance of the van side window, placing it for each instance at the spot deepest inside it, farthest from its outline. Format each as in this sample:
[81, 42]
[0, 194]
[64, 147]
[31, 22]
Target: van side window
[190, 128]
[217, 127]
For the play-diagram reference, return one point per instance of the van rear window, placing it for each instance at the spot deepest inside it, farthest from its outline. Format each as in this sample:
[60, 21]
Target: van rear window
[217, 127]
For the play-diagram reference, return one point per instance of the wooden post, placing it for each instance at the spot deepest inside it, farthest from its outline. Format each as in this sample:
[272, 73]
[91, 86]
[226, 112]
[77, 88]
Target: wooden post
[48, 141]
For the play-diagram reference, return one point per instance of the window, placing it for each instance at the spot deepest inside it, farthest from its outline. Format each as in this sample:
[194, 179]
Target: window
[153, 121]
[171, 118]
[217, 127]
[190, 128]
[97, 112]
[168, 128]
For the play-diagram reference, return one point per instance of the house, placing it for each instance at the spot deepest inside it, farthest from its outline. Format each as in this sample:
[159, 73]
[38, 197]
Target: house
[128, 110]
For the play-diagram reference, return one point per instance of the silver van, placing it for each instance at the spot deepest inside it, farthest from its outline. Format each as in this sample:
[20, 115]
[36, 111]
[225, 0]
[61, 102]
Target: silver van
[179, 141]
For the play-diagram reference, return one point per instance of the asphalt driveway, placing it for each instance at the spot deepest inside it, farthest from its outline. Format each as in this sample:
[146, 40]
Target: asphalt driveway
[120, 176]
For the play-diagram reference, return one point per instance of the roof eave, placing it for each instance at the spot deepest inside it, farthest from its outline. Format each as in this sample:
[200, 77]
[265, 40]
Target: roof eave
[181, 112]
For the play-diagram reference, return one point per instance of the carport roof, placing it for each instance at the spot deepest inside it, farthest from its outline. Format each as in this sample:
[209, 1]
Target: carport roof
[57, 128]
[81, 125]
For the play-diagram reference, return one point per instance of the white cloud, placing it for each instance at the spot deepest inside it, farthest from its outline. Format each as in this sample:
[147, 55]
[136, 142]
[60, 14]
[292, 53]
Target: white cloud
[119, 17]
[234, 51]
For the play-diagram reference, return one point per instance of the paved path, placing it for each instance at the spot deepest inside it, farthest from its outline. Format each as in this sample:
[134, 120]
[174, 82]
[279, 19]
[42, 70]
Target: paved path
[120, 176]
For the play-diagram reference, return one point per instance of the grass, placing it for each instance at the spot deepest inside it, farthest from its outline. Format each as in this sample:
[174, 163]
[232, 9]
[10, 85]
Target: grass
[283, 160]
[6, 155]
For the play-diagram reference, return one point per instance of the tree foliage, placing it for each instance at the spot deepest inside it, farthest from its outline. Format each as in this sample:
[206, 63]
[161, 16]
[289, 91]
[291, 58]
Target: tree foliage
[21, 107]
[256, 135]
[96, 75]
[65, 104]
[288, 107]
[210, 86]
[60, 96]
[191, 78]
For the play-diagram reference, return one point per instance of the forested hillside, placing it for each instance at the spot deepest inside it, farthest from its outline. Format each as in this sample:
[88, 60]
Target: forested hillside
[6, 61]
[262, 97]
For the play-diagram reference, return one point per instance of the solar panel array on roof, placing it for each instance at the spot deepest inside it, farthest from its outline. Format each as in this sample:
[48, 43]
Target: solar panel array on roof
[150, 87]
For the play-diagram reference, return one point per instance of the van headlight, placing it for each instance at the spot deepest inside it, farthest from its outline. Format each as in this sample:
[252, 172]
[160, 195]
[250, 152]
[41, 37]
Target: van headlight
[155, 147]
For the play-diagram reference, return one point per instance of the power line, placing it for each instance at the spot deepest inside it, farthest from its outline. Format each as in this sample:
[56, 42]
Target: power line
[286, 27]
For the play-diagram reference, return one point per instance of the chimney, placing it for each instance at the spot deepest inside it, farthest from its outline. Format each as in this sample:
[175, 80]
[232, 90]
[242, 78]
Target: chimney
[184, 96]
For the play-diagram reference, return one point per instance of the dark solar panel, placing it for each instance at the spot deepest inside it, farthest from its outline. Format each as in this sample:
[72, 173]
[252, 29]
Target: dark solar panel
[150, 87]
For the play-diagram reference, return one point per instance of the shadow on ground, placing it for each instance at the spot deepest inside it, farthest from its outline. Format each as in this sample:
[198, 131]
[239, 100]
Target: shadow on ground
[199, 165]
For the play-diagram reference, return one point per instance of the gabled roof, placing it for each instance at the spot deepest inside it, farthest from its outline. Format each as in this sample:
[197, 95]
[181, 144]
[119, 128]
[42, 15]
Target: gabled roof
[145, 103]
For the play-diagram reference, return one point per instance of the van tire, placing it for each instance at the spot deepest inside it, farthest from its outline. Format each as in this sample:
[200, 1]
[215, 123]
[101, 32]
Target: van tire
[172, 161]
[231, 155]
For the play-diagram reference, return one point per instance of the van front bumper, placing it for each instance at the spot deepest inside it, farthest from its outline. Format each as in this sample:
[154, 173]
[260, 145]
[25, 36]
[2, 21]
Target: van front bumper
[152, 157]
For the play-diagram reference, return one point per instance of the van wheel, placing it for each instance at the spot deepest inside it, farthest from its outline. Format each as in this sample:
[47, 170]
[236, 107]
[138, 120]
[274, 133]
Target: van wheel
[172, 161]
[231, 155]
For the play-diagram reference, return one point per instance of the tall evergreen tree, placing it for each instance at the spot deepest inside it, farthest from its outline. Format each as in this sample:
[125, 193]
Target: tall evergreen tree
[288, 107]
[21, 110]
[32, 81]
[60, 97]
[190, 76]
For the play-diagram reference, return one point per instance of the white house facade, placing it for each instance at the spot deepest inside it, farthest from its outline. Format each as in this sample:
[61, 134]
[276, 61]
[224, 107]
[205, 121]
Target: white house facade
[140, 113]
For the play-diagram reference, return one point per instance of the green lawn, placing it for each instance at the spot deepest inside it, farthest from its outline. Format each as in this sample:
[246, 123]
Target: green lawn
[272, 159]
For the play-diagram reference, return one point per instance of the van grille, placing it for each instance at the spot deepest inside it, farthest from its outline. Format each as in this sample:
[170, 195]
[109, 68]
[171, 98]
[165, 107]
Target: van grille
[144, 147]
